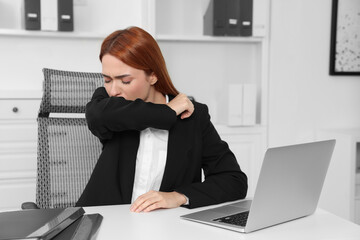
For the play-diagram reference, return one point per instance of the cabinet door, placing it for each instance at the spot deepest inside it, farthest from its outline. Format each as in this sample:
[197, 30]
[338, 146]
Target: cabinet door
[18, 138]
[248, 149]
[338, 192]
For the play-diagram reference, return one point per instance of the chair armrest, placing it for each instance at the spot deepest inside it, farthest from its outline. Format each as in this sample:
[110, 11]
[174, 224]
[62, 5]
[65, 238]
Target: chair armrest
[29, 205]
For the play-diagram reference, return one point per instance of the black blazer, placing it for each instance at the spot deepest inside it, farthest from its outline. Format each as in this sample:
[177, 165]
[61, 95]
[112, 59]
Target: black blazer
[193, 145]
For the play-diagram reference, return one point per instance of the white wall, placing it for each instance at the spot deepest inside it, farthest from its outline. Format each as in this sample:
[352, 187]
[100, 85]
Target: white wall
[303, 97]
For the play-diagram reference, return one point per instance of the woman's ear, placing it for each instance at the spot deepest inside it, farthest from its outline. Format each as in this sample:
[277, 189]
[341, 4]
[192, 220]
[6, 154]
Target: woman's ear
[153, 78]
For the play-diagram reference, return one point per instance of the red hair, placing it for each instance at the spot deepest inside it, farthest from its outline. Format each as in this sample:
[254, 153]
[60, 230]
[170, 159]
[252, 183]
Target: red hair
[138, 49]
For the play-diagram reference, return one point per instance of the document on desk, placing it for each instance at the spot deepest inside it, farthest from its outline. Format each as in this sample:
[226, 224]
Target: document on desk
[37, 223]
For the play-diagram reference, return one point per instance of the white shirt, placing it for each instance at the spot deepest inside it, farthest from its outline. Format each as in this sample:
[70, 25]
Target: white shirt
[150, 160]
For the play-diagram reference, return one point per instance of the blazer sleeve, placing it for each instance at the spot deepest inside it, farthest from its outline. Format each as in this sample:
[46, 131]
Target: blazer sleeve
[224, 180]
[106, 115]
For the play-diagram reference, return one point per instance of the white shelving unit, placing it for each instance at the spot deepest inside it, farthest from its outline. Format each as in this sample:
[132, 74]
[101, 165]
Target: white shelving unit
[201, 66]
[204, 66]
[177, 26]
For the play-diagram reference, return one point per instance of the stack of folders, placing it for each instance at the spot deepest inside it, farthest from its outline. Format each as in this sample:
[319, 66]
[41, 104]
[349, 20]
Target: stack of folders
[44, 224]
[229, 18]
[49, 15]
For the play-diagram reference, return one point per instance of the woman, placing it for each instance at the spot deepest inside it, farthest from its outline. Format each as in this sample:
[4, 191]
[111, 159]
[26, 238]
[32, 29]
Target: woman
[156, 142]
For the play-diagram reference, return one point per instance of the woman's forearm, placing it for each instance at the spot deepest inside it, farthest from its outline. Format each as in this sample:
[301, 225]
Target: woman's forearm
[115, 114]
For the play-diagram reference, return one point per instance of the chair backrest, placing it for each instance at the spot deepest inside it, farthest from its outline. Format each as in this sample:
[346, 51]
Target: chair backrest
[67, 150]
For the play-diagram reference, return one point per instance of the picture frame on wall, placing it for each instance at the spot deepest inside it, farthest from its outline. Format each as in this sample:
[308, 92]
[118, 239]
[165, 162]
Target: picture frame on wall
[345, 38]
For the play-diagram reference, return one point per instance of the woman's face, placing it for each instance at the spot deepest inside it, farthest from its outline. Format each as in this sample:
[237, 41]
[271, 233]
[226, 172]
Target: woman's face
[121, 80]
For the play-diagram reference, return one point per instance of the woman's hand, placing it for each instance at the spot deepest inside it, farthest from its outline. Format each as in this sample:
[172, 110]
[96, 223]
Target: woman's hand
[154, 200]
[181, 104]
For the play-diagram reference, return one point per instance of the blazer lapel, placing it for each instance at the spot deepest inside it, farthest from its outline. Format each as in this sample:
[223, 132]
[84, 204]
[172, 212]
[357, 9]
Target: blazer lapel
[129, 143]
[178, 146]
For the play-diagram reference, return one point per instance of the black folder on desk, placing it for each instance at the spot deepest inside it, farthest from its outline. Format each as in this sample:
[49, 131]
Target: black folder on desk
[85, 228]
[39, 224]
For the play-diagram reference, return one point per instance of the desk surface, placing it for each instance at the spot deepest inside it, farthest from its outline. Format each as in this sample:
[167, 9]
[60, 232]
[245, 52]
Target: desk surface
[120, 223]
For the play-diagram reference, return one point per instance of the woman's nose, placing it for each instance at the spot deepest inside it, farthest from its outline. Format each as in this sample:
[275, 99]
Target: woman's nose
[115, 90]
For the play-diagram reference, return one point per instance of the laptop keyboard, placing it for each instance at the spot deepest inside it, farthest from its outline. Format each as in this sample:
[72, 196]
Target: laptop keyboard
[238, 219]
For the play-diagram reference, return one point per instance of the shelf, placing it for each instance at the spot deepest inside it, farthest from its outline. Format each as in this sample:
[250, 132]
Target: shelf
[201, 38]
[48, 34]
[256, 129]
[100, 36]
[160, 37]
[20, 94]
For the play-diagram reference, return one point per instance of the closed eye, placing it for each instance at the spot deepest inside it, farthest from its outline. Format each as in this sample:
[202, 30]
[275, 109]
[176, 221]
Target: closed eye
[126, 79]
[126, 82]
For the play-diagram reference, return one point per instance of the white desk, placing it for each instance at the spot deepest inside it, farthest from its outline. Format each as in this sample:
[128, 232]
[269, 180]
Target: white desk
[120, 223]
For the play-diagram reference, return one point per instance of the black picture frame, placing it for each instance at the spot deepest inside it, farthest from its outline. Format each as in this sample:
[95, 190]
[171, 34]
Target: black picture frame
[345, 38]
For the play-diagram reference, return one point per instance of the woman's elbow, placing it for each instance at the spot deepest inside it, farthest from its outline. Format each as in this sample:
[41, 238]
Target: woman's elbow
[96, 125]
[242, 185]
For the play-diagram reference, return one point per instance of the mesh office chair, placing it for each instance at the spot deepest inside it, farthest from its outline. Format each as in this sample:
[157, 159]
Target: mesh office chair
[67, 150]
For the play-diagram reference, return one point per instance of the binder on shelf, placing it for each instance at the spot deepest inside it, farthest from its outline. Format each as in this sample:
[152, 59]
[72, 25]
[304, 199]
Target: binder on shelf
[37, 223]
[232, 17]
[65, 15]
[249, 105]
[215, 18]
[246, 18]
[57, 15]
[32, 14]
[49, 11]
[242, 105]
[229, 18]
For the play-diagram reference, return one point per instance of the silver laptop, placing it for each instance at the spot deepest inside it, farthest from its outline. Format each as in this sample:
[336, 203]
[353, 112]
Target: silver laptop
[289, 187]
